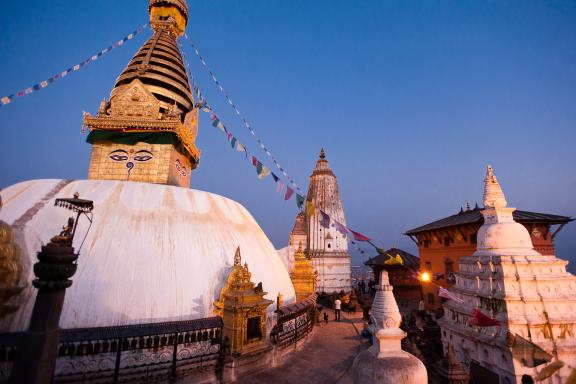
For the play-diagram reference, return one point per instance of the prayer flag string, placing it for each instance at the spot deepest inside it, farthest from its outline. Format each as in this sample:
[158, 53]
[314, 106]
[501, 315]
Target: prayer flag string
[262, 171]
[240, 115]
[43, 84]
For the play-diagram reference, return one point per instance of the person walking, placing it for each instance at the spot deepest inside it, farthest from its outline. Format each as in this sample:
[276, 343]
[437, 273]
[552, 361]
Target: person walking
[337, 305]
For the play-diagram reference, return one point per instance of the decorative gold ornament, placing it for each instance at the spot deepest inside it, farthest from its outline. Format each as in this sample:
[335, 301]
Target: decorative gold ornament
[243, 309]
[304, 276]
[10, 270]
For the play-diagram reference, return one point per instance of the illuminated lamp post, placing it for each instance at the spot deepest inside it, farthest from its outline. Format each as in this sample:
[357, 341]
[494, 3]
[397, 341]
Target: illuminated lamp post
[38, 348]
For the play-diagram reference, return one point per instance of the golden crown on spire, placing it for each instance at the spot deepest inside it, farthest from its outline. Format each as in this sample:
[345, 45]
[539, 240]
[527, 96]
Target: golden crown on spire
[163, 11]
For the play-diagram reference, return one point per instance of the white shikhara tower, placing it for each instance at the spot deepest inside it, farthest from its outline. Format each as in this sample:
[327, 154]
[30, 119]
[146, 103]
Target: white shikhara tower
[327, 248]
[531, 295]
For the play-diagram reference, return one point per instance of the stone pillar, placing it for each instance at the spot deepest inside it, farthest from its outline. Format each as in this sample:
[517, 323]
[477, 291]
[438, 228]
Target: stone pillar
[39, 346]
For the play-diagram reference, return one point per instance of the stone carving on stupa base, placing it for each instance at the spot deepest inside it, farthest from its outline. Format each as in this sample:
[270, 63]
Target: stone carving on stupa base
[242, 307]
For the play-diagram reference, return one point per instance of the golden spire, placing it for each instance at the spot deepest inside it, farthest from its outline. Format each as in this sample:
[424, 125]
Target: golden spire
[162, 10]
[147, 130]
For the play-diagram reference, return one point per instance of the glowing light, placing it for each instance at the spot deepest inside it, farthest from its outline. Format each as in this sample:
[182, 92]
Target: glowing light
[425, 277]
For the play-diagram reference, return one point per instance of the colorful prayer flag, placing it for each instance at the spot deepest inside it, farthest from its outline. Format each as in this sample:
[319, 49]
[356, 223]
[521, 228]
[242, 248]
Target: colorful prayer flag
[325, 221]
[394, 260]
[549, 370]
[264, 171]
[255, 161]
[443, 292]
[279, 186]
[299, 201]
[241, 148]
[358, 236]
[481, 320]
[310, 208]
[289, 193]
[233, 142]
[340, 227]
[525, 351]
[275, 177]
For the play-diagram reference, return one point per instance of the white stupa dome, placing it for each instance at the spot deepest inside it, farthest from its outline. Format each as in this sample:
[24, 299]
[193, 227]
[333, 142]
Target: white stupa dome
[154, 252]
[508, 238]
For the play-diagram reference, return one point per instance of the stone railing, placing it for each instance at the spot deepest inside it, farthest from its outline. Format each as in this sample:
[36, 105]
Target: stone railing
[295, 322]
[132, 353]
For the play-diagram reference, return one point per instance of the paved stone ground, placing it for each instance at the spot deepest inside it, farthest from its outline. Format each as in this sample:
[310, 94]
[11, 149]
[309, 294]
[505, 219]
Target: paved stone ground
[325, 359]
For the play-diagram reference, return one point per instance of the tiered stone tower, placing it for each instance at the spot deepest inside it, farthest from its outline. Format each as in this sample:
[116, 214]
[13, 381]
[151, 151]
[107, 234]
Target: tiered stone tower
[326, 247]
[531, 295]
[147, 130]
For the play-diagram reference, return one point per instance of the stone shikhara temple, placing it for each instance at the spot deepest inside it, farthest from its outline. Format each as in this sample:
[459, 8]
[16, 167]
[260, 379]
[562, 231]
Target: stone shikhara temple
[326, 247]
[529, 293]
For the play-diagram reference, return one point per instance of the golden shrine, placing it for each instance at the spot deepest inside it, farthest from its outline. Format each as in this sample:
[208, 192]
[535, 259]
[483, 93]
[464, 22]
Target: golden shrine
[147, 130]
[242, 307]
[304, 276]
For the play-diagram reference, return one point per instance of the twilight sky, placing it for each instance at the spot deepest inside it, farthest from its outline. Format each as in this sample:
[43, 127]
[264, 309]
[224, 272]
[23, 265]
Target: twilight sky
[410, 99]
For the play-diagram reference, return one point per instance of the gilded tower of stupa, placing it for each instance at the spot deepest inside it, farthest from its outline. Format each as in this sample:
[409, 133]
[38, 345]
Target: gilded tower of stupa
[326, 247]
[531, 295]
[146, 131]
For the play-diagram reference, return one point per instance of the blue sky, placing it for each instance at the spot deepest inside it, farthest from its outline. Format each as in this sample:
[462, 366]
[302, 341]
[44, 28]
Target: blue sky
[410, 99]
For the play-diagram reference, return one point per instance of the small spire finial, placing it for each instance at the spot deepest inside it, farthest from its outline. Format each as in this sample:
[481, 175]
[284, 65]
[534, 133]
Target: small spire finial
[493, 195]
[237, 257]
[322, 154]
[467, 206]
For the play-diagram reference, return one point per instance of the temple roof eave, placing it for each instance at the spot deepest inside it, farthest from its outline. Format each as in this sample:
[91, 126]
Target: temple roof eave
[475, 217]
[134, 125]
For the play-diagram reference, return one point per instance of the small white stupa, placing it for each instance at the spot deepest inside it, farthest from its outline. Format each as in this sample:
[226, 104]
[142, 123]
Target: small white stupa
[531, 295]
[385, 361]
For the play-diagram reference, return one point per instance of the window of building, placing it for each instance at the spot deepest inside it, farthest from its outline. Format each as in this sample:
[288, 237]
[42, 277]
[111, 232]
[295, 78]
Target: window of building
[431, 298]
[428, 265]
[449, 270]
[446, 241]
[253, 331]
[473, 238]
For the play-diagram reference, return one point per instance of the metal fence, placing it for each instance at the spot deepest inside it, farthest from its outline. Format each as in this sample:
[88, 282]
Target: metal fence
[132, 353]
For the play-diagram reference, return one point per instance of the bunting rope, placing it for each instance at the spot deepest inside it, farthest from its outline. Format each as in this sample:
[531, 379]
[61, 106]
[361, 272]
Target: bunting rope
[43, 84]
[240, 115]
[263, 171]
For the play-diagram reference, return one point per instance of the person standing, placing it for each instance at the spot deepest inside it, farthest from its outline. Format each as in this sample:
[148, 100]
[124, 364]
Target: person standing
[337, 305]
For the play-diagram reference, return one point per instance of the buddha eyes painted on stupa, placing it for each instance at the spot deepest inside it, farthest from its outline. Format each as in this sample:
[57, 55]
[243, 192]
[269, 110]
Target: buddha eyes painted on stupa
[122, 155]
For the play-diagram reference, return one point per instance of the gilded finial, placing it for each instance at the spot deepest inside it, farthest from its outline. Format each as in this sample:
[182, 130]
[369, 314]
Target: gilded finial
[171, 12]
[493, 194]
[237, 257]
[322, 154]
